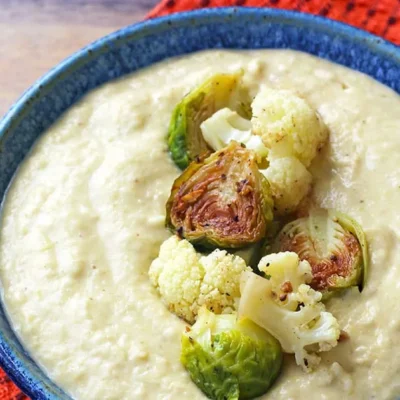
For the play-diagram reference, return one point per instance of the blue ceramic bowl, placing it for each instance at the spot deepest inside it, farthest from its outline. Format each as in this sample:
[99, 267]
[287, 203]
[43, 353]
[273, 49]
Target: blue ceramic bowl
[141, 45]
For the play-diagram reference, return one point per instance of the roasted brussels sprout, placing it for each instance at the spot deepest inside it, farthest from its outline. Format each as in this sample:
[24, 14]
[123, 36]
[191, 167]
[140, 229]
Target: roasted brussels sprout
[229, 359]
[334, 245]
[185, 139]
[223, 201]
[250, 254]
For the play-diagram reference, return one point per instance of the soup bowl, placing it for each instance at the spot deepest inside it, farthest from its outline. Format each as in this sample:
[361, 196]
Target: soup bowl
[141, 45]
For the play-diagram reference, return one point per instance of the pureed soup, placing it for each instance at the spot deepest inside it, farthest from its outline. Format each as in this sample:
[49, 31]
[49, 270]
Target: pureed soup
[84, 219]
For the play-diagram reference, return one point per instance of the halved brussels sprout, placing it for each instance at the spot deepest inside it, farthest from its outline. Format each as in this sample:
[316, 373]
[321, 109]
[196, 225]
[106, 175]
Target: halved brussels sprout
[223, 201]
[230, 359]
[251, 254]
[185, 139]
[334, 245]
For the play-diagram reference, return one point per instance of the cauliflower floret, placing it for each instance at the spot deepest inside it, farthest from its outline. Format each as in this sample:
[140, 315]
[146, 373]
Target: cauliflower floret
[283, 304]
[286, 267]
[289, 181]
[287, 124]
[220, 288]
[186, 280]
[177, 273]
[227, 125]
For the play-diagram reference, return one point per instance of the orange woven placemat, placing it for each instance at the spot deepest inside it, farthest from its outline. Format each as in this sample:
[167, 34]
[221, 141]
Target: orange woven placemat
[380, 17]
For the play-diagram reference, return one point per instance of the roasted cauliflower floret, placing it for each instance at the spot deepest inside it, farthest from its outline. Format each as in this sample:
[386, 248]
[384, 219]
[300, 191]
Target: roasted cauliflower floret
[227, 125]
[288, 308]
[289, 181]
[220, 288]
[287, 125]
[285, 266]
[178, 274]
[186, 280]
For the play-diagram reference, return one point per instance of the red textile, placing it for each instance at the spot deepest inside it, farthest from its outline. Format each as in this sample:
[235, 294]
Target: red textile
[380, 17]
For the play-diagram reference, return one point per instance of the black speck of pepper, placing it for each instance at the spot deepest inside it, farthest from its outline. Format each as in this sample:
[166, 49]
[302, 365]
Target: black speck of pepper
[180, 232]
[236, 218]
[392, 20]
[306, 362]
[333, 258]
[223, 177]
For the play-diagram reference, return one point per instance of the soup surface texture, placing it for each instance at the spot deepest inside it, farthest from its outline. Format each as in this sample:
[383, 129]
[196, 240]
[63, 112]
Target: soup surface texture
[84, 218]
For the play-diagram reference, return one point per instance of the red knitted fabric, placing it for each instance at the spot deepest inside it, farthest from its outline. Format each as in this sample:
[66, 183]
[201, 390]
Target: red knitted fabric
[8, 390]
[380, 17]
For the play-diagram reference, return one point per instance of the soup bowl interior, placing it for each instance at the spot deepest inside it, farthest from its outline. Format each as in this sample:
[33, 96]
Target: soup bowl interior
[141, 45]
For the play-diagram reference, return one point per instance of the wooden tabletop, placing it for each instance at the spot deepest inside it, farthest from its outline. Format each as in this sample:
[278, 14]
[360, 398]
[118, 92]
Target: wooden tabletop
[38, 34]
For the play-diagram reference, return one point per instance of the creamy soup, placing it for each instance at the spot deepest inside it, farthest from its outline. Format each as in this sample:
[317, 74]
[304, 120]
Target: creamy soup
[84, 218]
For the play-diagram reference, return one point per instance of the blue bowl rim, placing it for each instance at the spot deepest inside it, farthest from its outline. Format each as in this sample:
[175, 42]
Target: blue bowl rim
[9, 360]
[154, 25]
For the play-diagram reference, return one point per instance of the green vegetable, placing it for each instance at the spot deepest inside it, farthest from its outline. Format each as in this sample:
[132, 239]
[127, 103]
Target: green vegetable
[223, 201]
[335, 246]
[250, 254]
[355, 229]
[185, 139]
[229, 359]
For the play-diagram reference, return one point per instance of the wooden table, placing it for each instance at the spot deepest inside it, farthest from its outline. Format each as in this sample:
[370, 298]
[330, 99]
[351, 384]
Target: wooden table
[38, 34]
